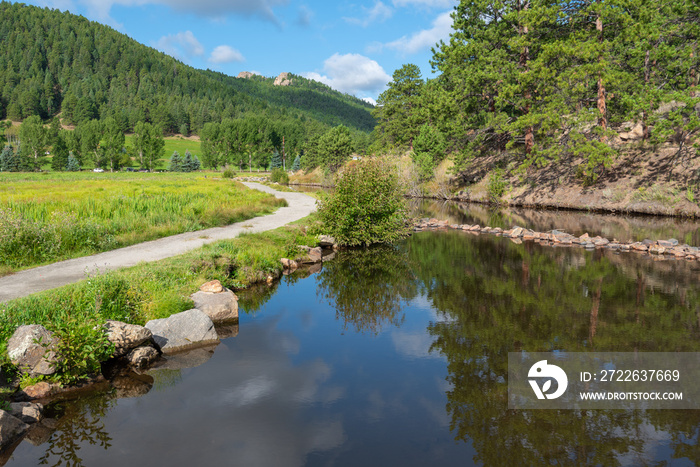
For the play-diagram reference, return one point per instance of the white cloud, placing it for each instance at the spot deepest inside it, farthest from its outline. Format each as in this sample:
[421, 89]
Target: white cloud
[181, 45]
[352, 74]
[225, 54]
[425, 39]
[379, 12]
[370, 100]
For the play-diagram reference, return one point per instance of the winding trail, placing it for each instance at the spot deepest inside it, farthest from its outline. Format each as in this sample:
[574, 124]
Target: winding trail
[66, 272]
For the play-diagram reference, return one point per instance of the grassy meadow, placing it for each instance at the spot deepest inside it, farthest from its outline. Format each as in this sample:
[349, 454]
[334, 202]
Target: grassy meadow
[172, 144]
[47, 217]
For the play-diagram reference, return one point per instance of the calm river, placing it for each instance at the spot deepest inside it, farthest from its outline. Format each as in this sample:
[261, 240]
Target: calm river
[397, 356]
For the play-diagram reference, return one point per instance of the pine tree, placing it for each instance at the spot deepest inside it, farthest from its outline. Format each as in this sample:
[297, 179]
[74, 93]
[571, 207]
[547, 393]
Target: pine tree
[73, 165]
[276, 162]
[5, 155]
[296, 165]
[59, 152]
[188, 162]
[175, 163]
[197, 164]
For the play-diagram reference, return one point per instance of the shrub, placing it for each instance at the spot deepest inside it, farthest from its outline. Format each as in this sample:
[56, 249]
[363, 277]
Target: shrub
[366, 207]
[228, 172]
[279, 176]
[82, 345]
[496, 186]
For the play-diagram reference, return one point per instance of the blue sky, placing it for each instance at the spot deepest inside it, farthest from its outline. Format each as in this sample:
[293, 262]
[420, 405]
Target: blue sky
[352, 46]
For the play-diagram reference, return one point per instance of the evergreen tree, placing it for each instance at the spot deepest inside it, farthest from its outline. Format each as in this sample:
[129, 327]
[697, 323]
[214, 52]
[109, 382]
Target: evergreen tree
[276, 161]
[196, 164]
[188, 162]
[33, 136]
[73, 165]
[59, 152]
[155, 146]
[428, 150]
[5, 155]
[296, 165]
[175, 163]
[113, 143]
[335, 147]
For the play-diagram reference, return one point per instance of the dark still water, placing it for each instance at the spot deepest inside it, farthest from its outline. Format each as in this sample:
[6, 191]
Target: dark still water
[398, 356]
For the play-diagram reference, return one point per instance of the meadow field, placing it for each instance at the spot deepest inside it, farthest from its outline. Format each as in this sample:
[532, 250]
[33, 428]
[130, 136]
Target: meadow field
[172, 143]
[47, 217]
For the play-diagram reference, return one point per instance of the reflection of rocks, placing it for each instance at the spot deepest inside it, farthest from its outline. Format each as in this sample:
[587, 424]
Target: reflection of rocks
[41, 432]
[131, 384]
[11, 428]
[28, 412]
[183, 330]
[226, 330]
[188, 359]
[27, 349]
[315, 268]
[219, 306]
[141, 357]
[126, 336]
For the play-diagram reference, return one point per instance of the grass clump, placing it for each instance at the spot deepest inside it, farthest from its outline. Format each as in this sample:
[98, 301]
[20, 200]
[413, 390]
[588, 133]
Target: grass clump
[279, 176]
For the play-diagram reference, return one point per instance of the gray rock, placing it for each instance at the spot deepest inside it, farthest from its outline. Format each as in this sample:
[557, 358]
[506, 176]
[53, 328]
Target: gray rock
[218, 307]
[181, 331]
[28, 412]
[11, 428]
[315, 255]
[141, 357]
[126, 336]
[326, 241]
[28, 354]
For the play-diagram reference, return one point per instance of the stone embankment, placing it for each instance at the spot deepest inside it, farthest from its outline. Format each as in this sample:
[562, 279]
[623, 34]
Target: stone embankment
[182, 340]
[668, 249]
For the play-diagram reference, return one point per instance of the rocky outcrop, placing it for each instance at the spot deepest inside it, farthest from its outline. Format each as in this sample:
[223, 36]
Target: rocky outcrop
[182, 331]
[11, 428]
[245, 74]
[218, 306]
[32, 349]
[283, 79]
[126, 337]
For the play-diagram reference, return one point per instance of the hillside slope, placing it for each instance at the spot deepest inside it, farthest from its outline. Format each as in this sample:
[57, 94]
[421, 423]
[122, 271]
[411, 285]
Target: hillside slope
[53, 62]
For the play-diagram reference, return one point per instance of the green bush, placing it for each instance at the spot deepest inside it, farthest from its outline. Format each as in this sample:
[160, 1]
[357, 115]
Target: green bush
[496, 186]
[367, 205]
[279, 176]
[229, 172]
[82, 345]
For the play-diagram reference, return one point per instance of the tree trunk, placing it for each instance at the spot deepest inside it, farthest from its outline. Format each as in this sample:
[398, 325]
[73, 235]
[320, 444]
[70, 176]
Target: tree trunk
[647, 73]
[602, 119]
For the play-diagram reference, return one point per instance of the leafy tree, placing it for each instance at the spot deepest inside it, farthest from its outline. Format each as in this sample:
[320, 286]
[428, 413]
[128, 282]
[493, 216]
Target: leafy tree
[90, 136]
[113, 143]
[59, 152]
[367, 205]
[428, 150]
[34, 141]
[335, 147]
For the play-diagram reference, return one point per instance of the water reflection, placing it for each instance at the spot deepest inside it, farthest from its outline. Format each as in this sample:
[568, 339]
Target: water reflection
[388, 355]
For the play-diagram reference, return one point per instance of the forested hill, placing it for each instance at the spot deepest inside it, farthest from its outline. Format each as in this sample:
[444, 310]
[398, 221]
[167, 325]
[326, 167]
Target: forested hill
[53, 62]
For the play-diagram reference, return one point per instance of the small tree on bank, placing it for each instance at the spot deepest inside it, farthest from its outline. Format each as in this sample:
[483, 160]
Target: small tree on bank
[367, 205]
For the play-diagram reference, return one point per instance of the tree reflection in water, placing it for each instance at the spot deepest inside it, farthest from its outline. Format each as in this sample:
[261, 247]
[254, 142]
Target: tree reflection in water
[496, 297]
[368, 287]
[80, 422]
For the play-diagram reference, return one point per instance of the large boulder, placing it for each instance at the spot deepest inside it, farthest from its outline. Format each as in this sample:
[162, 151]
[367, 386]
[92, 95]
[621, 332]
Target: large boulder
[32, 349]
[142, 357]
[219, 307]
[126, 336]
[28, 412]
[11, 428]
[182, 331]
[326, 241]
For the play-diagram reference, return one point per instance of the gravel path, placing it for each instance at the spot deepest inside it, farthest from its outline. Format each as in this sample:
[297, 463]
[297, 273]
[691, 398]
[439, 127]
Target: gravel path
[55, 275]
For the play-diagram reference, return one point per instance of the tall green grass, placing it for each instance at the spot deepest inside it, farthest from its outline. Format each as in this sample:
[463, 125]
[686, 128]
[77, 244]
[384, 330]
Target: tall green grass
[54, 217]
[159, 289]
